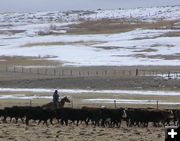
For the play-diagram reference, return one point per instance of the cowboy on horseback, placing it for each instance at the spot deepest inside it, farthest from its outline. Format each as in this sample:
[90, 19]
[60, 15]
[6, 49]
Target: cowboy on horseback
[56, 98]
[59, 104]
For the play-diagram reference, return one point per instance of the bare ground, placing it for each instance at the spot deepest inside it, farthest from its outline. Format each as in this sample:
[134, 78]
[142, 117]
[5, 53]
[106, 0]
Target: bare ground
[21, 132]
[127, 83]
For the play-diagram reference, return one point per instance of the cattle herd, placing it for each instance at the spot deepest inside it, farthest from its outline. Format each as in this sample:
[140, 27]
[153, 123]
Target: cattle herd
[103, 117]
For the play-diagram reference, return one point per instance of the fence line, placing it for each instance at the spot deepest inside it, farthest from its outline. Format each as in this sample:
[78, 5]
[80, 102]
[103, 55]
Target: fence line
[58, 72]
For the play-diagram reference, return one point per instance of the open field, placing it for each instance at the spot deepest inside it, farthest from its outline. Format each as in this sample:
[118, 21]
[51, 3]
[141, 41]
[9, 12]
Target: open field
[141, 83]
[20, 132]
[91, 57]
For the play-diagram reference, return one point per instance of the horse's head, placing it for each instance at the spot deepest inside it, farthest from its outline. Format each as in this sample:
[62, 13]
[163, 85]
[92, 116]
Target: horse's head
[66, 99]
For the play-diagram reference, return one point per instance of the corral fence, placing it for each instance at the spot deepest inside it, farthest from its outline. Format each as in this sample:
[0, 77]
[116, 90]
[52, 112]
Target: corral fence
[65, 72]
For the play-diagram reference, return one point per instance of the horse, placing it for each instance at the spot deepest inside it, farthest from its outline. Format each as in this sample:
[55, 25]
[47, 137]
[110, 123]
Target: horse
[53, 106]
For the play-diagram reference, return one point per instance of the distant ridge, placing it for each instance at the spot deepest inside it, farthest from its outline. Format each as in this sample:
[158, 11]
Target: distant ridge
[141, 14]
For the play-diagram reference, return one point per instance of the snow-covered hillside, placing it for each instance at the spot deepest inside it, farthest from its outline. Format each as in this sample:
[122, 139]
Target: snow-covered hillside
[144, 14]
[20, 35]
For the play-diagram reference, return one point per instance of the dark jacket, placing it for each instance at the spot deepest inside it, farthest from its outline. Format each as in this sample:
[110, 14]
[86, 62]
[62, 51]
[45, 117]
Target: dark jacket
[55, 96]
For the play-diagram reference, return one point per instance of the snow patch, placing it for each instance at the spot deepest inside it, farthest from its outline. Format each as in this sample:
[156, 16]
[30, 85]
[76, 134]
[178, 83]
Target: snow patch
[87, 91]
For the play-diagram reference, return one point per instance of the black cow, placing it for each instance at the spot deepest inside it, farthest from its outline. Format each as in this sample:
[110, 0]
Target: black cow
[37, 113]
[94, 115]
[116, 116]
[1, 113]
[74, 115]
[176, 114]
[15, 112]
[144, 116]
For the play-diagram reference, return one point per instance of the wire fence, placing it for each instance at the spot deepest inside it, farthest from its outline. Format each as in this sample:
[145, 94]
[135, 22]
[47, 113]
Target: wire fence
[60, 72]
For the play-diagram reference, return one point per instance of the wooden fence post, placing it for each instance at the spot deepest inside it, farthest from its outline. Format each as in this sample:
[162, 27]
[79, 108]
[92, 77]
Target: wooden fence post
[62, 72]
[115, 106]
[71, 72]
[29, 70]
[6, 68]
[30, 102]
[114, 73]
[14, 68]
[96, 73]
[176, 75]
[136, 72]
[37, 70]
[105, 72]
[54, 72]
[169, 75]
[45, 71]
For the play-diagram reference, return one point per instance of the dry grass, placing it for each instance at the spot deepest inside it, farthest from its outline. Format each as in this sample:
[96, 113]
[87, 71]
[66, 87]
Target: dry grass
[101, 27]
[88, 43]
[116, 26]
[159, 56]
[172, 34]
[159, 45]
[26, 61]
[146, 50]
